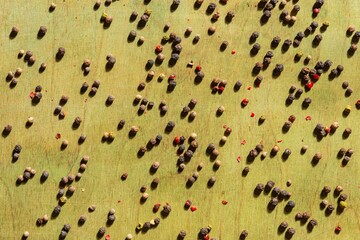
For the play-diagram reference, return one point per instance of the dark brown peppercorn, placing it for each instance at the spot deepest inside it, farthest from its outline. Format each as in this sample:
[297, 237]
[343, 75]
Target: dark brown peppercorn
[84, 87]
[326, 190]
[60, 53]
[269, 186]
[244, 234]
[259, 188]
[42, 31]
[329, 209]
[63, 100]
[289, 233]
[282, 227]
[275, 42]
[14, 32]
[52, 7]
[124, 176]
[245, 171]
[31, 61]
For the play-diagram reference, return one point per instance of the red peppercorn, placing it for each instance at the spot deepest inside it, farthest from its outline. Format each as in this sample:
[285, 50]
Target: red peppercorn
[158, 48]
[316, 76]
[309, 85]
[245, 101]
[156, 207]
[316, 11]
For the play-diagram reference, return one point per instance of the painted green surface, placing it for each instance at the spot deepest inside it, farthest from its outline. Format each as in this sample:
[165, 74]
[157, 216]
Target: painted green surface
[75, 26]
